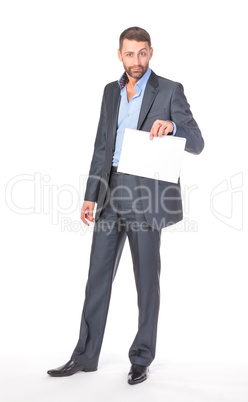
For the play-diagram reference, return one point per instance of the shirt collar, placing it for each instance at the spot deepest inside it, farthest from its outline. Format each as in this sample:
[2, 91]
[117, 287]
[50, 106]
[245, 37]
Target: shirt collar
[140, 84]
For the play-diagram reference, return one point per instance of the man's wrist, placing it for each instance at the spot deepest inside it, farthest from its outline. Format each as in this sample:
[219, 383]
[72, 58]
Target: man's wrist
[174, 127]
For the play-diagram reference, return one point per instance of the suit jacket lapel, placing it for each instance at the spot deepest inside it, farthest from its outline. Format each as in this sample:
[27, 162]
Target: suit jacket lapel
[150, 94]
[115, 108]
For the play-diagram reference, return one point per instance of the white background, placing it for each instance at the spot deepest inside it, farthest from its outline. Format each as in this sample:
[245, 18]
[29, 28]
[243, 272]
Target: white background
[56, 58]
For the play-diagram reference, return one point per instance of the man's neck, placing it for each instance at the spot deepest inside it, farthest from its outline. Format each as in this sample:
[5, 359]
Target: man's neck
[132, 81]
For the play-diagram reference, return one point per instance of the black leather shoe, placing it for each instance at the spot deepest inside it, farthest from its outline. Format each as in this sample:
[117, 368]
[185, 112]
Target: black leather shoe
[68, 369]
[137, 374]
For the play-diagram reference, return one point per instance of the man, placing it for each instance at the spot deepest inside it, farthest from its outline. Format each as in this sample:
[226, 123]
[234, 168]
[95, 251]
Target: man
[130, 206]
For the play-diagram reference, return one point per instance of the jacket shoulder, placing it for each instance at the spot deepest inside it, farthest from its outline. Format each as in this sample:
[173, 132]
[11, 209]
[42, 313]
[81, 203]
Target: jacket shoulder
[168, 83]
[111, 86]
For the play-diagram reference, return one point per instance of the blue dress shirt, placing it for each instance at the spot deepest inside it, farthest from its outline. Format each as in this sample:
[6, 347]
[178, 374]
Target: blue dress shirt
[129, 112]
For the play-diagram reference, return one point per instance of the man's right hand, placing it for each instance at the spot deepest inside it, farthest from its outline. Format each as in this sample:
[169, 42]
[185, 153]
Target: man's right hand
[87, 212]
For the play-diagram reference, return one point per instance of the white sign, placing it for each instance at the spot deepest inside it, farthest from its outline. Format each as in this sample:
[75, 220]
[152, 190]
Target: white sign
[159, 158]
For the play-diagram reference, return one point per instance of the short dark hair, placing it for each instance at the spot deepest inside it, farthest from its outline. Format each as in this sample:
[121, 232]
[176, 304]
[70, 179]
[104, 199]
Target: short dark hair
[135, 33]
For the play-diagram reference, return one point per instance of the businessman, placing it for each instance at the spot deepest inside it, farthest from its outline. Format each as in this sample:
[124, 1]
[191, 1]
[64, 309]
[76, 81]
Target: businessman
[129, 206]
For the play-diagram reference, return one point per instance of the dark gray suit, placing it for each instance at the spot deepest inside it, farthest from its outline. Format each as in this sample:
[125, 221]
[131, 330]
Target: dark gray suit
[163, 100]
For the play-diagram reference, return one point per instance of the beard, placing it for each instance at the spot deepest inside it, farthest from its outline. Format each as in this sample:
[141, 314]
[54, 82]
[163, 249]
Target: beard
[136, 74]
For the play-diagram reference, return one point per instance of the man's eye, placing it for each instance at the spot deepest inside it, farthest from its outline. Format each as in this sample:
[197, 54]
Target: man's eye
[142, 54]
[129, 54]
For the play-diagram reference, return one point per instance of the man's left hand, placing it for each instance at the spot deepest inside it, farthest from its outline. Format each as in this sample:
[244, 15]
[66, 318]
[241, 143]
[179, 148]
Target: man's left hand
[161, 127]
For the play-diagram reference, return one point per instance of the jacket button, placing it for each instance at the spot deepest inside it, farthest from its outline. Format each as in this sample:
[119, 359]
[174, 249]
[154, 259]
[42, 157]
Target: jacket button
[107, 174]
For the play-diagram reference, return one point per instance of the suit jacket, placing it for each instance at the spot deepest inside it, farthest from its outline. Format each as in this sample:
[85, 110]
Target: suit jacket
[164, 100]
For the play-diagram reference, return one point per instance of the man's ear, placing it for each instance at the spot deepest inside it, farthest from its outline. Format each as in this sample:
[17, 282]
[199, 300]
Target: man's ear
[151, 53]
[119, 55]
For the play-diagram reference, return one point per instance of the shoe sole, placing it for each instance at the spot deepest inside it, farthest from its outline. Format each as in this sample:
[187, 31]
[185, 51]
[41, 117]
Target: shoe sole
[130, 382]
[86, 370]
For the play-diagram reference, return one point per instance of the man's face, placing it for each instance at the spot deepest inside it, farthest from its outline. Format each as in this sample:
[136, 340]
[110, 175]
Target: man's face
[135, 57]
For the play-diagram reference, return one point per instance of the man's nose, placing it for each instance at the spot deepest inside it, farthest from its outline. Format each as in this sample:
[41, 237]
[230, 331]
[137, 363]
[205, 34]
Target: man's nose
[136, 59]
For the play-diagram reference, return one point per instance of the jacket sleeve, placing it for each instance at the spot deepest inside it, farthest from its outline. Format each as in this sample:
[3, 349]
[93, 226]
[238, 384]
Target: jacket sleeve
[93, 182]
[185, 123]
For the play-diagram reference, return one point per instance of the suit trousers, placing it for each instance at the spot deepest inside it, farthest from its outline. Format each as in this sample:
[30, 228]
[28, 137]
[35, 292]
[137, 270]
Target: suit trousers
[121, 218]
